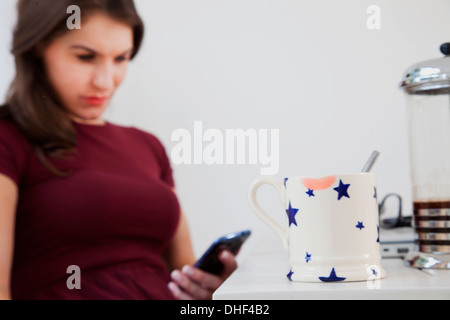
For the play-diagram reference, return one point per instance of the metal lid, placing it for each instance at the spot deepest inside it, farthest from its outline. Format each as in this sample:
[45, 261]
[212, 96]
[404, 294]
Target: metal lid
[429, 77]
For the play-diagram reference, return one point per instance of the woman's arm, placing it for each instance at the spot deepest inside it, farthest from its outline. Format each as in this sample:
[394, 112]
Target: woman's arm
[190, 282]
[8, 203]
[180, 252]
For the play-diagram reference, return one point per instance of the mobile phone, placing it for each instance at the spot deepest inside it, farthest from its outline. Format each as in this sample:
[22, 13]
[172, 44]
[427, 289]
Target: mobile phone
[209, 261]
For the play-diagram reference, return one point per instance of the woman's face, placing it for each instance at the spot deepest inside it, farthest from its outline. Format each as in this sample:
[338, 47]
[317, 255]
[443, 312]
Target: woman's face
[86, 66]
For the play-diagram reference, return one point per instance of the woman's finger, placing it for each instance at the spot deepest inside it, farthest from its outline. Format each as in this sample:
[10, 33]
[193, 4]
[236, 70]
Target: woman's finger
[206, 280]
[229, 262]
[177, 292]
[190, 286]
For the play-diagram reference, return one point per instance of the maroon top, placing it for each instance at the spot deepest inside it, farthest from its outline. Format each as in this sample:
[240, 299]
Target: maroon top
[113, 217]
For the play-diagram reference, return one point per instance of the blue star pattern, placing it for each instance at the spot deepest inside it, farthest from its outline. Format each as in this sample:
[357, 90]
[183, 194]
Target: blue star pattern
[374, 271]
[289, 275]
[342, 190]
[360, 225]
[332, 277]
[308, 257]
[291, 212]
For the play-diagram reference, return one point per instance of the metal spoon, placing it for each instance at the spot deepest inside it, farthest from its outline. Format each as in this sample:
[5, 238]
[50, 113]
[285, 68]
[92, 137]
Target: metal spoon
[371, 161]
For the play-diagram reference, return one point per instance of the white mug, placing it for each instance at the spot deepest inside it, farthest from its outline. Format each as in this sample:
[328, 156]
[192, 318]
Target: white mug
[332, 232]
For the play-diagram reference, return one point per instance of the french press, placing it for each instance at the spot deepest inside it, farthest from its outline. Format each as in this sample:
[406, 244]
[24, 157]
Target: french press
[427, 90]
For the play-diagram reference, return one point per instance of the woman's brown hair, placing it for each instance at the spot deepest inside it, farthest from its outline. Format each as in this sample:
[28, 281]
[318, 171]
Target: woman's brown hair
[31, 102]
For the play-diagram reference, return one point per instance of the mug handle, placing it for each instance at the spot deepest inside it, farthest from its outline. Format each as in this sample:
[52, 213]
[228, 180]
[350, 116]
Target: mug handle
[279, 186]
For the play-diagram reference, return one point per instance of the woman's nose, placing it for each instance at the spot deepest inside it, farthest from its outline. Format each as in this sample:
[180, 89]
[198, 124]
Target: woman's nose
[103, 77]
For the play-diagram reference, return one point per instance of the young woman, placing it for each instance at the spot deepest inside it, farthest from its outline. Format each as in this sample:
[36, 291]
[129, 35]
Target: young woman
[78, 192]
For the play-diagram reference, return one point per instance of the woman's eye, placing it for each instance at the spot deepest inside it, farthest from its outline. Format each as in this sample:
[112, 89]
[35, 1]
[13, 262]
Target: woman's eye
[121, 59]
[86, 57]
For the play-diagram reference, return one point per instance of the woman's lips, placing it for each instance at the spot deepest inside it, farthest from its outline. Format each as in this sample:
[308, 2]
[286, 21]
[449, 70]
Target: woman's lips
[95, 101]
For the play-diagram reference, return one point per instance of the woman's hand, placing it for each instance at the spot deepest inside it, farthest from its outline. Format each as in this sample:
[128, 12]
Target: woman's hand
[199, 285]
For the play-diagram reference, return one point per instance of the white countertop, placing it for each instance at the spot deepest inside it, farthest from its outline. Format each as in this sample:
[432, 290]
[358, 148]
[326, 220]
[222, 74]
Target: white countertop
[262, 276]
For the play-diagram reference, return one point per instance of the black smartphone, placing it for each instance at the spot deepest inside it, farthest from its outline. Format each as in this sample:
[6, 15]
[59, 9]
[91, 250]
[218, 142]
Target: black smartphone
[232, 242]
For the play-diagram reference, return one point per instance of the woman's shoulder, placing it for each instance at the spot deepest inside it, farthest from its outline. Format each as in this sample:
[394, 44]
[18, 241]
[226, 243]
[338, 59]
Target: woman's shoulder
[10, 133]
[14, 150]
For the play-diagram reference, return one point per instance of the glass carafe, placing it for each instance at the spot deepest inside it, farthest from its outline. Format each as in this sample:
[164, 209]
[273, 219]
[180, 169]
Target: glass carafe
[427, 89]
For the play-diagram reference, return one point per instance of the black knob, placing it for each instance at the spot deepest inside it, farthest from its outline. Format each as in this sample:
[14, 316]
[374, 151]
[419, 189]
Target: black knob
[445, 49]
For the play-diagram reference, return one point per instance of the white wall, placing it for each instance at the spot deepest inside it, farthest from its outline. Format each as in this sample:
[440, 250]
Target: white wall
[311, 69]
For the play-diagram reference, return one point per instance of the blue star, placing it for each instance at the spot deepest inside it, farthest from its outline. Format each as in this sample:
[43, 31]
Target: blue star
[342, 190]
[310, 193]
[375, 192]
[285, 180]
[289, 275]
[360, 225]
[332, 277]
[308, 257]
[378, 232]
[291, 212]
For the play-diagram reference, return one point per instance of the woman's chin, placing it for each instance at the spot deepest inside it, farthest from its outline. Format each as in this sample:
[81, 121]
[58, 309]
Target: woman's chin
[92, 119]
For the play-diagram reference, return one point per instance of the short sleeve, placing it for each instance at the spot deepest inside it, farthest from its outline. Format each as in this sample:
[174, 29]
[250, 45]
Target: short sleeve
[166, 168]
[7, 166]
[12, 153]
[166, 172]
